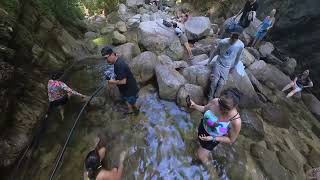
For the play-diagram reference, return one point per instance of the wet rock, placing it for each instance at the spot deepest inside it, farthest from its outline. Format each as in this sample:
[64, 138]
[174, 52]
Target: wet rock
[155, 37]
[118, 38]
[289, 66]
[277, 116]
[266, 72]
[195, 92]
[253, 52]
[169, 82]
[134, 21]
[271, 59]
[252, 125]
[314, 158]
[266, 49]
[143, 66]
[198, 75]
[121, 26]
[128, 51]
[199, 58]
[247, 58]
[91, 35]
[291, 162]
[269, 163]
[197, 27]
[312, 103]
[204, 46]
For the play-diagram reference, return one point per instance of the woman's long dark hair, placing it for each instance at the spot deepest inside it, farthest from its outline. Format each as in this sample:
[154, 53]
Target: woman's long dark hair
[228, 100]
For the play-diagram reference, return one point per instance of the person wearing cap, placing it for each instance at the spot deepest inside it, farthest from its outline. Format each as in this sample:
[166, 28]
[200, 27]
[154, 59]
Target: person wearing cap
[229, 52]
[124, 79]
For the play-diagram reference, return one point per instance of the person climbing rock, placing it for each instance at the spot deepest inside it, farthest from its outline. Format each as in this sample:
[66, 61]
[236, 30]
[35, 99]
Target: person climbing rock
[124, 79]
[221, 122]
[183, 38]
[264, 28]
[248, 13]
[299, 83]
[95, 169]
[229, 52]
[59, 93]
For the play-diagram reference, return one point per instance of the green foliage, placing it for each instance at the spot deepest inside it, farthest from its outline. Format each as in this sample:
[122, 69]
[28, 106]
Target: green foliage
[96, 6]
[9, 5]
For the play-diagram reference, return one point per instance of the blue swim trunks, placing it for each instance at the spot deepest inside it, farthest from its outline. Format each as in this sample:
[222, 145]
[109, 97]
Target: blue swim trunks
[130, 99]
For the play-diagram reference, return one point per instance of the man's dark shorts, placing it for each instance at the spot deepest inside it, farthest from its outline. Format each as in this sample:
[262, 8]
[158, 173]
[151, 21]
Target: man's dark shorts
[130, 99]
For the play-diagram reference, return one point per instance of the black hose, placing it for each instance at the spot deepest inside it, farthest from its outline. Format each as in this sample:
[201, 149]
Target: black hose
[71, 132]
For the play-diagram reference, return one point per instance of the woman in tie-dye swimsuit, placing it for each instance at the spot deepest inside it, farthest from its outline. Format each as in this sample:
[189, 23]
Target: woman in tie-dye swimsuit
[59, 93]
[220, 123]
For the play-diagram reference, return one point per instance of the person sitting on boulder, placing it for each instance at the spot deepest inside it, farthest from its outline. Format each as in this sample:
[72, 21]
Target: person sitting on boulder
[221, 122]
[248, 13]
[59, 93]
[183, 38]
[229, 52]
[299, 83]
[94, 165]
[124, 79]
[264, 28]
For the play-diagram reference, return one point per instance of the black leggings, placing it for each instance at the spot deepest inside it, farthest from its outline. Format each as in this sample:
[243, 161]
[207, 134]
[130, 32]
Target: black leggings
[208, 145]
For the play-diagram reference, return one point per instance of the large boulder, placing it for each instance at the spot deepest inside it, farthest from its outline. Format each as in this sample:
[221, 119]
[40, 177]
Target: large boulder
[169, 82]
[198, 75]
[268, 73]
[288, 160]
[123, 12]
[134, 3]
[276, 115]
[289, 66]
[197, 27]
[134, 21]
[91, 35]
[247, 58]
[143, 66]
[239, 79]
[195, 92]
[166, 60]
[118, 38]
[314, 158]
[312, 103]
[266, 49]
[269, 162]
[254, 52]
[107, 29]
[156, 37]
[128, 51]
[121, 26]
[252, 125]
[196, 59]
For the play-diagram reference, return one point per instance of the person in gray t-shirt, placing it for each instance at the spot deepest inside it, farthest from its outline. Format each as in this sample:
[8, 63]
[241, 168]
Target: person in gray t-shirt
[229, 52]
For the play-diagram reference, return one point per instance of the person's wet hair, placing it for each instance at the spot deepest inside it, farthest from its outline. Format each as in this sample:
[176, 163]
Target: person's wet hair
[92, 164]
[56, 75]
[228, 100]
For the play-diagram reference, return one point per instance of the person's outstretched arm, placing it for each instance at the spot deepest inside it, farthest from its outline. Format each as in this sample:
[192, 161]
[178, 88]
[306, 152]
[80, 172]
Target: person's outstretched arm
[238, 58]
[214, 53]
[71, 91]
[120, 168]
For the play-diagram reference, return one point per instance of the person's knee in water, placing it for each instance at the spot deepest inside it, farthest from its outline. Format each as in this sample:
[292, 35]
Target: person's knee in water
[221, 122]
[59, 92]
[124, 79]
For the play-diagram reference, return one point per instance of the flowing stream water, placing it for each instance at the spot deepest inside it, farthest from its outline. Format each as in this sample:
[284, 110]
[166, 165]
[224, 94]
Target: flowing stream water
[161, 141]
